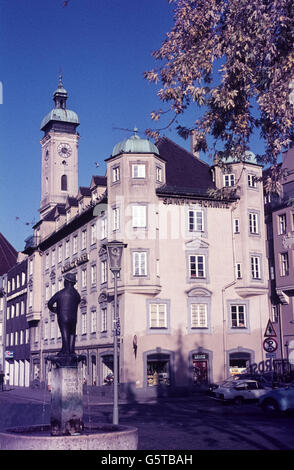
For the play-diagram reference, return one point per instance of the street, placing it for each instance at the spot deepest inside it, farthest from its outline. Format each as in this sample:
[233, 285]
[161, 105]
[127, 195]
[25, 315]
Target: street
[188, 423]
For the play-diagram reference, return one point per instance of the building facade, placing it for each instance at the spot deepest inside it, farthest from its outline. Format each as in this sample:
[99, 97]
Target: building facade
[17, 345]
[279, 210]
[193, 289]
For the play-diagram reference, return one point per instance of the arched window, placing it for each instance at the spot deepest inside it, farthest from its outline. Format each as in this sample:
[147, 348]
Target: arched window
[64, 183]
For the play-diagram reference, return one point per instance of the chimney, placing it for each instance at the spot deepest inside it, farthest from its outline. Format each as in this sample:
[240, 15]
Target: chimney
[192, 145]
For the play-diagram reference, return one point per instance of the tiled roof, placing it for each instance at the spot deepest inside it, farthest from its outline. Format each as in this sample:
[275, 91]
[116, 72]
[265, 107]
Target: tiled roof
[100, 180]
[8, 255]
[185, 173]
[84, 191]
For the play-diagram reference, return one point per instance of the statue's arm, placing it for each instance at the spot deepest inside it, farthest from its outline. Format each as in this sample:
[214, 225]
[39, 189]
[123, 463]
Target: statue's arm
[51, 303]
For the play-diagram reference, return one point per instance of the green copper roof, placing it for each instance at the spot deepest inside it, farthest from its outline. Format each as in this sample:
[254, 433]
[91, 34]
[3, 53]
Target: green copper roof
[134, 144]
[59, 114]
[249, 158]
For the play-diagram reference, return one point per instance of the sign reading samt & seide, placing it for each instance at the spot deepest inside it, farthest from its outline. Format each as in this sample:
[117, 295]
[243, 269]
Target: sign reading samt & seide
[68, 266]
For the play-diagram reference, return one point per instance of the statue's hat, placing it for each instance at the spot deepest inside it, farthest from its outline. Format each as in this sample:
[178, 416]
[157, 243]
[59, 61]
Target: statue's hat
[70, 277]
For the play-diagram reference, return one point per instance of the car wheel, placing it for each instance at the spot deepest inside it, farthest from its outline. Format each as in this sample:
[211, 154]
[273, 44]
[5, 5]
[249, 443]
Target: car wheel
[238, 400]
[270, 406]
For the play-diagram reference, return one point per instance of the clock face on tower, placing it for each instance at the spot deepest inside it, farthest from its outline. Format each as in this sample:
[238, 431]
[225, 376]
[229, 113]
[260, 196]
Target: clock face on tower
[64, 150]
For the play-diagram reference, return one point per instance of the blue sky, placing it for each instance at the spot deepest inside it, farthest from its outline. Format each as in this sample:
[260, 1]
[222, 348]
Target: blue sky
[103, 48]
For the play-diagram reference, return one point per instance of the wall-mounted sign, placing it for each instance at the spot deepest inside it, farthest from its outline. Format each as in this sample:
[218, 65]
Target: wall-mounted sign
[82, 259]
[200, 202]
[269, 331]
[8, 355]
[288, 241]
[270, 345]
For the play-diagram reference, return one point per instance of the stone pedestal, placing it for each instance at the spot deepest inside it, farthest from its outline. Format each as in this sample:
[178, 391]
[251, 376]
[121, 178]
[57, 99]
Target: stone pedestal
[66, 400]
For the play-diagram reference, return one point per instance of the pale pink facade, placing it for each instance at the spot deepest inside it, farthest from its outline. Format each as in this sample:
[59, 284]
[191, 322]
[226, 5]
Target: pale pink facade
[193, 289]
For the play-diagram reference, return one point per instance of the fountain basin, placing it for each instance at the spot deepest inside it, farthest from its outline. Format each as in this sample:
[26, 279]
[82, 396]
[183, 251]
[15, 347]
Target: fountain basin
[98, 437]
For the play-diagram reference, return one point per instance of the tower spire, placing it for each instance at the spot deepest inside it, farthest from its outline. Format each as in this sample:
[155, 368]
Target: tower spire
[60, 94]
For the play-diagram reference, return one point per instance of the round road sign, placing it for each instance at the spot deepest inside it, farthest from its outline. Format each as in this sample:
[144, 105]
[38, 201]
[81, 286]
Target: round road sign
[270, 345]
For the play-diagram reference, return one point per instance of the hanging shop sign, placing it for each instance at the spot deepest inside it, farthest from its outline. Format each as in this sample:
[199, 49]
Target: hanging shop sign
[77, 262]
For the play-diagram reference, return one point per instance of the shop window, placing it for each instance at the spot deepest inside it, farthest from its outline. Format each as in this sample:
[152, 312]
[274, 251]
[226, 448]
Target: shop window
[239, 362]
[199, 368]
[158, 369]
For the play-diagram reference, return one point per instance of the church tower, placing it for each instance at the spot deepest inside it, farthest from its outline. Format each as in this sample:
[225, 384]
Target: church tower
[59, 153]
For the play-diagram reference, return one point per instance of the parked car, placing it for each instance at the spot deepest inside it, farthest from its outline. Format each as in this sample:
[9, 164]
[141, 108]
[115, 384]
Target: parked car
[265, 380]
[239, 391]
[278, 400]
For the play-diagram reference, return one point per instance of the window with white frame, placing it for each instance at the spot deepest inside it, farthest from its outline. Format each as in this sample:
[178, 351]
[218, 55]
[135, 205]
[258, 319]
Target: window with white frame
[238, 316]
[115, 174]
[197, 266]
[66, 249]
[282, 224]
[252, 181]
[93, 234]
[23, 278]
[75, 245]
[47, 261]
[31, 265]
[53, 288]
[84, 239]
[47, 293]
[139, 216]
[229, 179]
[196, 220]
[103, 226]
[46, 330]
[284, 264]
[198, 315]
[103, 271]
[236, 226]
[12, 310]
[93, 321]
[30, 300]
[52, 328]
[84, 278]
[59, 253]
[157, 315]
[27, 335]
[12, 284]
[93, 274]
[103, 320]
[17, 281]
[139, 263]
[253, 223]
[238, 271]
[22, 307]
[115, 218]
[159, 174]
[21, 340]
[138, 170]
[53, 257]
[8, 313]
[11, 339]
[17, 309]
[84, 323]
[255, 267]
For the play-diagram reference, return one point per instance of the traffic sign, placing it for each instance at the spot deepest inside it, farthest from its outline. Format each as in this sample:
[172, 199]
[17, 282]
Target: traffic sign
[269, 331]
[270, 345]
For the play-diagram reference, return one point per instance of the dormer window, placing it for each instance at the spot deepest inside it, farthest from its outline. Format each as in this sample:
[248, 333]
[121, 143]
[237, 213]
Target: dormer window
[81, 205]
[57, 221]
[138, 170]
[94, 195]
[68, 216]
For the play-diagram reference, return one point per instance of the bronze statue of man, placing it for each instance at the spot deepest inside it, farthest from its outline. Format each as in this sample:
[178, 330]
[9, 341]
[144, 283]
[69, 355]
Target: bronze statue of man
[67, 301]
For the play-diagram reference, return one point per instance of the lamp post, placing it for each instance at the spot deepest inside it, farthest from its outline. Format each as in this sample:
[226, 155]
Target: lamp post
[114, 254]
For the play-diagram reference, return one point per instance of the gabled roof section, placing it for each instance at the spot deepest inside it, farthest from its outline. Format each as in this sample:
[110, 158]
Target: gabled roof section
[71, 202]
[8, 255]
[84, 191]
[98, 181]
[185, 173]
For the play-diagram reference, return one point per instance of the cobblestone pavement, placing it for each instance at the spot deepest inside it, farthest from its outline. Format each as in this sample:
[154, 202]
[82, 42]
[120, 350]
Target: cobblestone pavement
[191, 423]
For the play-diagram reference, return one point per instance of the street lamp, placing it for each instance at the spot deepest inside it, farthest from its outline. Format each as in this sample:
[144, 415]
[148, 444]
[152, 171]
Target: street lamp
[114, 254]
